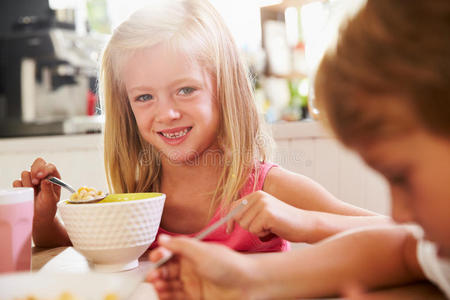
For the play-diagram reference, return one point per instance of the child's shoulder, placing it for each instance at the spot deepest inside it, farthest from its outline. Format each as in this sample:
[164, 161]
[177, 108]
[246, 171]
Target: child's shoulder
[278, 178]
[261, 169]
[257, 177]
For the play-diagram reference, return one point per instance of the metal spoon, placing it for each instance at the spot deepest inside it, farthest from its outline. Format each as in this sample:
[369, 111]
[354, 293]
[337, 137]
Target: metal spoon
[61, 183]
[144, 270]
[204, 233]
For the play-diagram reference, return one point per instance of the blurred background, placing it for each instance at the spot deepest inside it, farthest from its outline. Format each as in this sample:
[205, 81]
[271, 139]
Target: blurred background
[50, 50]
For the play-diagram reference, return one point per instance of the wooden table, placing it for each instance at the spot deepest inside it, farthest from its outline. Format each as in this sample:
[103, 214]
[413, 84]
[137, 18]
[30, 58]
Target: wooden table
[67, 259]
[41, 256]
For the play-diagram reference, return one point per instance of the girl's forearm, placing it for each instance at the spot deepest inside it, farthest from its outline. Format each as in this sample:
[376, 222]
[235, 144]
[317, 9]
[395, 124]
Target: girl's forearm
[50, 234]
[371, 258]
[327, 224]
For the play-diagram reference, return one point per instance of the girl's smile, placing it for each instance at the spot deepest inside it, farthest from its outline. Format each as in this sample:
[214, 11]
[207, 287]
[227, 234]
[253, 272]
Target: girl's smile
[175, 136]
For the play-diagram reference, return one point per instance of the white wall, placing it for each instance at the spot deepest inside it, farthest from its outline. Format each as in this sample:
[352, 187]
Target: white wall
[79, 159]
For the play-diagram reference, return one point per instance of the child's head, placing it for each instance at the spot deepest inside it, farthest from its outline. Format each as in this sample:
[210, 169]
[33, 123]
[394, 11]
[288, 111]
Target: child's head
[385, 92]
[172, 38]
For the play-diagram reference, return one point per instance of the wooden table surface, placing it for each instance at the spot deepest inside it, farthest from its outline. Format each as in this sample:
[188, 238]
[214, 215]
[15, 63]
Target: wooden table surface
[40, 256]
[67, 259]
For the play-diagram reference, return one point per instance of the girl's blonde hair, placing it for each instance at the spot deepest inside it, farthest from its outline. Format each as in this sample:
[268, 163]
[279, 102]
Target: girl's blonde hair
[388, 74]
[195, 27]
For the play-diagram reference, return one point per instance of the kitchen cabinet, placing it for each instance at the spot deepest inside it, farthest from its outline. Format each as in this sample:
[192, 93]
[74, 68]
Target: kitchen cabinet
[287, 69]
[302, 147]
[79, 158]
[307, 148]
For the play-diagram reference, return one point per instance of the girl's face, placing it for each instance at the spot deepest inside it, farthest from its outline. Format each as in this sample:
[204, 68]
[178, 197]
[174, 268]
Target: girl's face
[173, 102]
[417, 167]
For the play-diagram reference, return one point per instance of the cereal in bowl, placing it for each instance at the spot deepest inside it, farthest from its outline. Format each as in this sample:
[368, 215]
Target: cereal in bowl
[85, 194]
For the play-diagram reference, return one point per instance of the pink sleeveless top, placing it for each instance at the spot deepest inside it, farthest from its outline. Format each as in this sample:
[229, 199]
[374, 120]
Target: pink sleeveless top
[240, 239]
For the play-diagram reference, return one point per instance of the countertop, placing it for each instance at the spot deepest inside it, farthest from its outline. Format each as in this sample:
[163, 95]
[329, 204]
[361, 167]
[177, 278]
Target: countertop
[76, 142]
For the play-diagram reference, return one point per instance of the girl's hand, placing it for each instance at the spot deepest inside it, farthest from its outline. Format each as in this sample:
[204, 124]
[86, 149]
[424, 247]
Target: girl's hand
[46, 194]
[200, 271]
[267, 217]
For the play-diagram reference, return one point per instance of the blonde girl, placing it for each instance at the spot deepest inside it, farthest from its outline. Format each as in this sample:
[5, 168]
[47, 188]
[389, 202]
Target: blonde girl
[181, 120]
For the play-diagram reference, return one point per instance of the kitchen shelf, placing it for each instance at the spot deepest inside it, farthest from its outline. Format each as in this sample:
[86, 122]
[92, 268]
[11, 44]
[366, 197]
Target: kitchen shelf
[288, 76]
[289, 3]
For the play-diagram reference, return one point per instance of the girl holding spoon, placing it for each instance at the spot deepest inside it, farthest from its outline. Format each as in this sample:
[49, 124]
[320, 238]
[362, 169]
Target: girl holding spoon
[181, 120]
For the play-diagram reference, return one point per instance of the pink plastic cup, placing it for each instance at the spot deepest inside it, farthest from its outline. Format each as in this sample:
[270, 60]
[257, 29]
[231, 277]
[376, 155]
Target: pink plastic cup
[16, 221]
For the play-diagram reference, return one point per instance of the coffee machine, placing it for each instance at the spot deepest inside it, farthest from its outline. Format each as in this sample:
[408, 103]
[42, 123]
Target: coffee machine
[47, 72]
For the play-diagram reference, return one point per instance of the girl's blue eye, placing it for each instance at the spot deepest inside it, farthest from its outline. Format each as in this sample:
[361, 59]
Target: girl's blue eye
[186, 91]
[144, 97]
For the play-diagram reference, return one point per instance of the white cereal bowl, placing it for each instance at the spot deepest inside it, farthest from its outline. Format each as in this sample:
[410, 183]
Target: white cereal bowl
[114, 233]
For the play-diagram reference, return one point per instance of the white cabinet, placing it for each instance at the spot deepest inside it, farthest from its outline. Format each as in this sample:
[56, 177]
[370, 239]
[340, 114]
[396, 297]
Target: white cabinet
[79, 158]
[302, 148]
[307, 149]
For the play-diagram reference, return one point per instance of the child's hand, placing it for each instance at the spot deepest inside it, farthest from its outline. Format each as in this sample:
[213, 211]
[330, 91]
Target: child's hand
[46, 194]
[266, 217]
[166, 279]
[199, 271]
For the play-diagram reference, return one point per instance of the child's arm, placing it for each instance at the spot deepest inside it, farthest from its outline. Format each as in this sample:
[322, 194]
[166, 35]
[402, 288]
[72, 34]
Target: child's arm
[312, 214]
[423, 290]
[266, 216]
[47, 230]
[371, 258]
[374, 257]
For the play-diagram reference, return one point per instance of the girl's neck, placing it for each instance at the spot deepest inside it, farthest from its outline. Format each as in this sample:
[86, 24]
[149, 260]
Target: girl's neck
[189, 188]
[196, 169]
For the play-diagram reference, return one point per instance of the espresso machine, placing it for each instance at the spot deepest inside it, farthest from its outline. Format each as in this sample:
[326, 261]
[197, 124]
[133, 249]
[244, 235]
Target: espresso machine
[47, 75]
